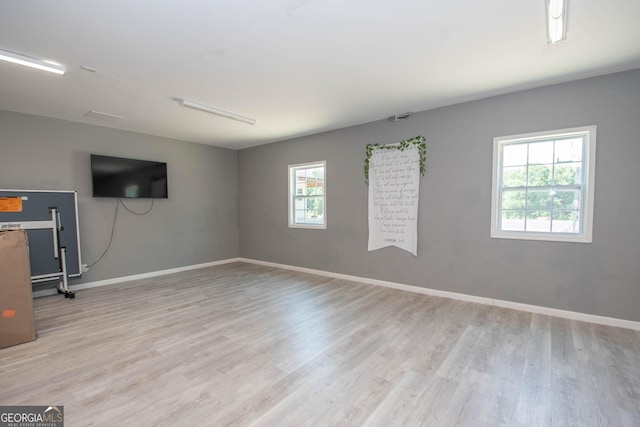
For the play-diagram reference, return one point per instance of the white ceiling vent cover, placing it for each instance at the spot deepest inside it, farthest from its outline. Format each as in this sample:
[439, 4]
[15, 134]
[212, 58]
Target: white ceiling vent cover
[102, 116]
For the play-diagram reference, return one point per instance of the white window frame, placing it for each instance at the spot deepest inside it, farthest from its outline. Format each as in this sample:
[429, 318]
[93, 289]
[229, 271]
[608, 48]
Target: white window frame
[586, 186]
[292, 194]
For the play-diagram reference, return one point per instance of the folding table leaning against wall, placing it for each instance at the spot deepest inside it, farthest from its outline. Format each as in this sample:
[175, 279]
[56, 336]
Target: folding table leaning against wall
[50, 219]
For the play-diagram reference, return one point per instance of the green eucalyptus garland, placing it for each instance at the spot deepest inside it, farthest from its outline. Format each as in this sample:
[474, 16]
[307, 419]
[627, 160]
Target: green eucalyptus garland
[418, 141]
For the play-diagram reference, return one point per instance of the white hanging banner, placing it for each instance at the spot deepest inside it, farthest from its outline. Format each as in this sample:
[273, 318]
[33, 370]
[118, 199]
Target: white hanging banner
[394, 179]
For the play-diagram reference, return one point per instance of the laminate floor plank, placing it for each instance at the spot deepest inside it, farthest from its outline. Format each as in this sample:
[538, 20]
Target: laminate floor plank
[248, 345]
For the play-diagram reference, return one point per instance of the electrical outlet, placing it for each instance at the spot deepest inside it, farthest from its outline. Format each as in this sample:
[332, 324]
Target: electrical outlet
[85, 268]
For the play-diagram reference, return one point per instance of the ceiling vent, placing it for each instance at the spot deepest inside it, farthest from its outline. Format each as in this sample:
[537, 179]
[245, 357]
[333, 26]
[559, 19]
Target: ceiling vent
[400, 117]
[92, 114]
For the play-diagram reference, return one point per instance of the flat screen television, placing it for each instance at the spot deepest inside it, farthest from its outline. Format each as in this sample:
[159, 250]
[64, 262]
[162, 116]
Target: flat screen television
[128, 178]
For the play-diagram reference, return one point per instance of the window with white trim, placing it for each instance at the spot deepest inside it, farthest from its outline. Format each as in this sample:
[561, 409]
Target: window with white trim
[307, 195]
[543, 185]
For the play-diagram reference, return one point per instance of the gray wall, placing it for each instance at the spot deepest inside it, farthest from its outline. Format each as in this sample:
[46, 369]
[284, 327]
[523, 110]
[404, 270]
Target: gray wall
[196, 224]
[455, 252]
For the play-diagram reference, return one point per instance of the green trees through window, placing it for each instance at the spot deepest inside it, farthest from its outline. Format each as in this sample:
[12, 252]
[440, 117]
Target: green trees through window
[547, 198]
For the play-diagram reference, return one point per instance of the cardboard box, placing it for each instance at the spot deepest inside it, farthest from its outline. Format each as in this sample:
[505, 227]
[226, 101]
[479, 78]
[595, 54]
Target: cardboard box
[17, 321]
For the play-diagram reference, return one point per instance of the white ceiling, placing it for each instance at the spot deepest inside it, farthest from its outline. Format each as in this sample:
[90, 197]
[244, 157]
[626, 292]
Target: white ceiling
[297, 66]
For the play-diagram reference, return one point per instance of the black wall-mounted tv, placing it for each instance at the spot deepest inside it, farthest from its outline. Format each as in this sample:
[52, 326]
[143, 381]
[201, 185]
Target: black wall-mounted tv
[128, 178]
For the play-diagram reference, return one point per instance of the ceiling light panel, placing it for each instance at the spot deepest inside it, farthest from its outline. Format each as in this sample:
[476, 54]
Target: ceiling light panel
[556, 20]
[216, 111]
[29, 61]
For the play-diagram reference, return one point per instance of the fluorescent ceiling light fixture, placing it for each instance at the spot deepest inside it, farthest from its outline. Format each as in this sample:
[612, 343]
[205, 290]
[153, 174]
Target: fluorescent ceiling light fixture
[28, 61]
[217, 111]
[556, 20]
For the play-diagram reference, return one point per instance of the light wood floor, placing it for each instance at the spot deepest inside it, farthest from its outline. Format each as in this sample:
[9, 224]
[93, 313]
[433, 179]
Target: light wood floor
[241, 344]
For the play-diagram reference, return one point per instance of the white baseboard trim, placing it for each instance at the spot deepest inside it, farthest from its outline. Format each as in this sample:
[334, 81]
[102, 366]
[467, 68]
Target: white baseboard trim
[123, 279]
[571, 315]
